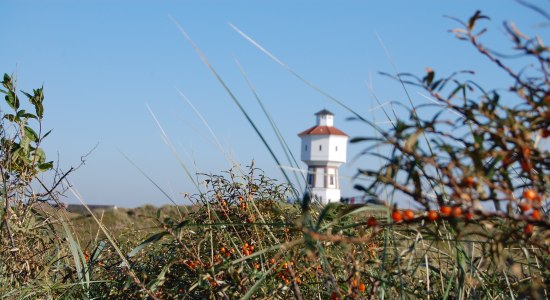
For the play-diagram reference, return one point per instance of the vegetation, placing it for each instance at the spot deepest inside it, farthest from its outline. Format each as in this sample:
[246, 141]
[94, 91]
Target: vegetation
[40, 257]
[474, 169]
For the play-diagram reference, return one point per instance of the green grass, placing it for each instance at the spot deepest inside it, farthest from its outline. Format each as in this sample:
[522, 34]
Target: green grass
[328, 252]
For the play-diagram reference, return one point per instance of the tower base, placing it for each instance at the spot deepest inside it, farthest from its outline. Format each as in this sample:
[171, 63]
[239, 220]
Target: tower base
[325, 196]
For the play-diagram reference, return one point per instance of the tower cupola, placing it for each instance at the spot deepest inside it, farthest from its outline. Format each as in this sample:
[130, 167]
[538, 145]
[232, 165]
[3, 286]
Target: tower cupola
[325, 118]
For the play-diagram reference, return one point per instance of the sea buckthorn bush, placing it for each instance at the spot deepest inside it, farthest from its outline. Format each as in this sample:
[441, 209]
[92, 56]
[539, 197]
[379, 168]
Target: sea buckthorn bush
[458, 209]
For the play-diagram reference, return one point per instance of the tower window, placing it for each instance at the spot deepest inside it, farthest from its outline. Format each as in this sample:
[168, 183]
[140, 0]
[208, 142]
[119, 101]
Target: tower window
[336, 148]
[306, 147]
[320, 147]
[310, 179]
[331, 179]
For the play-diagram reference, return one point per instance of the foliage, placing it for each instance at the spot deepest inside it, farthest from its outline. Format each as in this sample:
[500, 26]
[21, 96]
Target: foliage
[478, 158]
[478, 182]
[38, 254]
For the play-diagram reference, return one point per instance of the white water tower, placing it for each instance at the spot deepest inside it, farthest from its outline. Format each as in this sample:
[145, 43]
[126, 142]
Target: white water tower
[324, 151]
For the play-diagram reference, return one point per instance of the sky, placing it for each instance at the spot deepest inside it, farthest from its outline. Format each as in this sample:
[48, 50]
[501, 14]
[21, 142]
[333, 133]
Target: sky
[119, 74]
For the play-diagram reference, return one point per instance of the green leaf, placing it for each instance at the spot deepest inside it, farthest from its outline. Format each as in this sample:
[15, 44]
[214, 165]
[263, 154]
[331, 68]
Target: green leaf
[46, 134]
[45, 166]
[325, 213]
[12, 100]
[155, 237]
[97, 251]
[474, 18]
[7, 82]
[363, 139]
[27, 94]
[37, 100]
[10, 117]
[40, 155]
[182, 224]
[161, 278]
[31, 134]
[25, 144]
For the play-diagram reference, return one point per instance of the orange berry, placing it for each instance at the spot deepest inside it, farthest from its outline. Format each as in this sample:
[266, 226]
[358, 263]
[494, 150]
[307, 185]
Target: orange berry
[372, 222]
[530, 194]
[524, 206]
[457, 212]
[528, 229]
[469, 215]
[354, 282]
[408, 214]
[469, 181]
[222, 250]
[536, 215]
[526, 152]
[432, 215]
[298, 280]
[445, 210]
[271, 260]
[362, 287]
[256, 266]
[397, 216]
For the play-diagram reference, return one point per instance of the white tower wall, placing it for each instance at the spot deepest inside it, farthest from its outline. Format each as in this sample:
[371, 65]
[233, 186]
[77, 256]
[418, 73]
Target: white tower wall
[324, 148]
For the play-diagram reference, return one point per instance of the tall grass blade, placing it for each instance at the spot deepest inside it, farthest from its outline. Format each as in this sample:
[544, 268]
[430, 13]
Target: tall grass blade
[236, 101]
[286, 149]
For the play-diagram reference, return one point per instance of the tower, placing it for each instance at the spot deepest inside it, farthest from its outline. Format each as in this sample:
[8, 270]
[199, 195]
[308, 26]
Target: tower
[324, 151]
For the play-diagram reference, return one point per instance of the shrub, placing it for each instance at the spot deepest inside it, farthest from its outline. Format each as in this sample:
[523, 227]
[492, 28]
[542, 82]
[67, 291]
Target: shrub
[39, 257]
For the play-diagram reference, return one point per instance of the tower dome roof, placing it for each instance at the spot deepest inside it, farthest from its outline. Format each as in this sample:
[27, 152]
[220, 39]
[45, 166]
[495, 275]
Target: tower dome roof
[324, 112]
[322, 130]
[324, 126]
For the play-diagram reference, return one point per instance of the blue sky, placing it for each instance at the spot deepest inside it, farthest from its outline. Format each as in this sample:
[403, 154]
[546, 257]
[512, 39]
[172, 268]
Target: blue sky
[103, 63]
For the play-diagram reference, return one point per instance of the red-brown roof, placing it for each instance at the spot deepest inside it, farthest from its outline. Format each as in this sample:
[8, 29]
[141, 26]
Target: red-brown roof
[322, 130]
